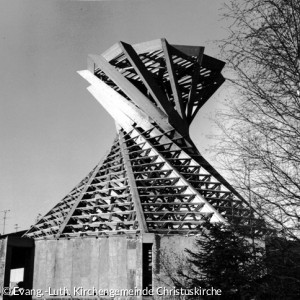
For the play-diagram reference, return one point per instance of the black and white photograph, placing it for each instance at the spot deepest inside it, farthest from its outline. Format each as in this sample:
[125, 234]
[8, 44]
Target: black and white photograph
[150, 150]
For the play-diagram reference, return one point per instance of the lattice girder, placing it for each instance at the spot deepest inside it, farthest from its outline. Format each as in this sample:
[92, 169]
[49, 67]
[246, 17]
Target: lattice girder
[153, 179]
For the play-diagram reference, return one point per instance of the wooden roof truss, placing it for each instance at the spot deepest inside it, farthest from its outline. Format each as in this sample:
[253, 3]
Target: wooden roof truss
[153, 179]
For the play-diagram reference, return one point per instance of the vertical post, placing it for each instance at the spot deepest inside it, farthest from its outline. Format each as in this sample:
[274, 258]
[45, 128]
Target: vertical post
[4, 218]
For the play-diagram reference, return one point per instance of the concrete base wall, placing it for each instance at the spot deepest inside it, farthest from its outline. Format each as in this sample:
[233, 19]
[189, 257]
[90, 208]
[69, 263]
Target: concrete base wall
[104, 263]
[112, 263]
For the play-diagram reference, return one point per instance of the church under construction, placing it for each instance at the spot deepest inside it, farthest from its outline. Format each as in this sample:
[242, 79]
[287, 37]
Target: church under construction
[151, 193]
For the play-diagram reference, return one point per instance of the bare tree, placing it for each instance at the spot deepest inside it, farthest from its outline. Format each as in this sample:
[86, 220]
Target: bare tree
[260, 142]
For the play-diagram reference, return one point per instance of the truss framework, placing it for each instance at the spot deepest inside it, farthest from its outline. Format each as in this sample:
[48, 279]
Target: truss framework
[153, 179]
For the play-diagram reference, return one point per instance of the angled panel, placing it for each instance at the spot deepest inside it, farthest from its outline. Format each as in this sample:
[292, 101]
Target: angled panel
[173, 79]
[155, 91]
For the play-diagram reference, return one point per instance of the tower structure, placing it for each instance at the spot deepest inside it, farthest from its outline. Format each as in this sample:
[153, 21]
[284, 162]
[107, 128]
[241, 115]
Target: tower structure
[153, 179]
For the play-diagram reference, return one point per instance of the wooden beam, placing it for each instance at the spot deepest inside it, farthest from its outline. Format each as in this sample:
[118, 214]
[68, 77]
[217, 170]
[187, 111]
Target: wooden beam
[208, 61]
[155, 91]
[116, 114]
[195, 81]
[149, 46]
[167, 165]
[200, 222]
[183, 55]
[123, 111]
[218, 82]
[44, 220]
[187, 50]
[212, 63]
[133, 93]
[173, 80]
[132, 184]
[75, 205]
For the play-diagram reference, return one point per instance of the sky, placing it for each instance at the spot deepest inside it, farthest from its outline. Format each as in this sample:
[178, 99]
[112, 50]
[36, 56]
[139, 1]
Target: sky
[52, 131]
